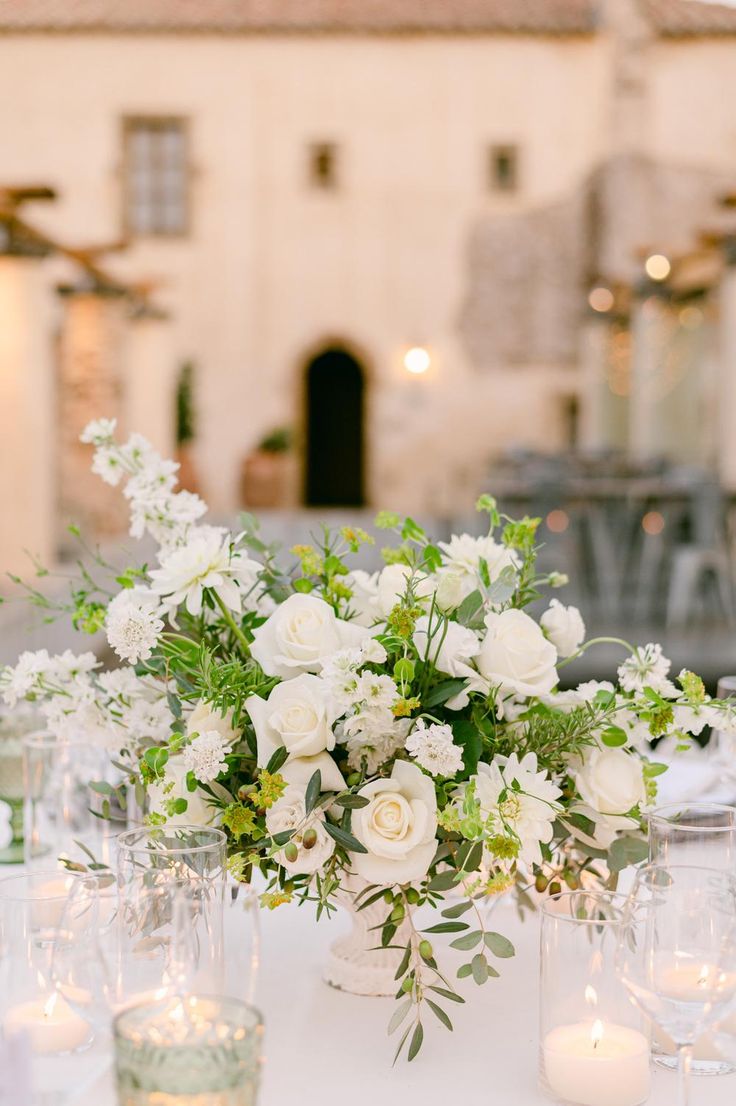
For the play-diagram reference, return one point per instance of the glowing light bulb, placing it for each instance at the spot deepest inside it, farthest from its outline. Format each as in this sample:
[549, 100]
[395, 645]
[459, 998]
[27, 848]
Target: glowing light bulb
[417, 360]
[601, 299]
[657, 267]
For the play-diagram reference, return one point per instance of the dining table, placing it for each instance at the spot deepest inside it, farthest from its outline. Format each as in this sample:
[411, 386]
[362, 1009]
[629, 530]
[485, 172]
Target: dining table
[323, 1045]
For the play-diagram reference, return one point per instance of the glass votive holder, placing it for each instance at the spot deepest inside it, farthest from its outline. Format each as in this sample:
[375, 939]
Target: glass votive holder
[58, 800]
[31, 906]
[14, 724]
[693, 833]
[594, 1050]
[704, 835]
[193, 1050]
[158, 854]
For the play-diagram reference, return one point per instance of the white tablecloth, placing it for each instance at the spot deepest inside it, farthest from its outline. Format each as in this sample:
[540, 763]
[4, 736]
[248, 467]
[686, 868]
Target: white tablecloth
[322, 1045]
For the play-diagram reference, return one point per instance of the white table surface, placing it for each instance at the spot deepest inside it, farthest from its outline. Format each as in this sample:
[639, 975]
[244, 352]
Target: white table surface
[323, 1045]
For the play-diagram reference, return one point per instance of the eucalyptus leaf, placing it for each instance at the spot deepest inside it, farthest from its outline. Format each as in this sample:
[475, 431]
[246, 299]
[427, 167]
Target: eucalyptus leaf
[499, 945]
[398, 1016]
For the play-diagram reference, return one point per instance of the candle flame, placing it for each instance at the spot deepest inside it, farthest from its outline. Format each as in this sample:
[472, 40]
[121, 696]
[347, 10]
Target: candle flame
[596, 1033]
[48, 1006]
[591, 996]
[703, 977]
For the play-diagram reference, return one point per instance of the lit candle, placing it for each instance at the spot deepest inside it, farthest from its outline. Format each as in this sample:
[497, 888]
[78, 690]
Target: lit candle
[688, 979]
[50, 1024]
[597, 1064]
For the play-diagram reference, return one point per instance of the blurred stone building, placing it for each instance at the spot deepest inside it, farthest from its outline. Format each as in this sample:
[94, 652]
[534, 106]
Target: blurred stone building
[376, 222]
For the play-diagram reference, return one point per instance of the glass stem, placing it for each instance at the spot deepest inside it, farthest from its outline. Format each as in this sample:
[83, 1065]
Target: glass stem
[684, 1062]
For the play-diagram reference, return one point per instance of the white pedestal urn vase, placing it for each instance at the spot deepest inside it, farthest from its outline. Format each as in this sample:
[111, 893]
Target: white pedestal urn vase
[356, 962]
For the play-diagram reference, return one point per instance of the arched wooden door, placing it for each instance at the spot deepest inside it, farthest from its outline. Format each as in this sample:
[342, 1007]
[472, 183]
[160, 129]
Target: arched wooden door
[335, 388]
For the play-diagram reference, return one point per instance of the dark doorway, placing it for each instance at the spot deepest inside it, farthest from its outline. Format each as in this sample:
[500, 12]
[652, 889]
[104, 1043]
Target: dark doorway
[334, 454]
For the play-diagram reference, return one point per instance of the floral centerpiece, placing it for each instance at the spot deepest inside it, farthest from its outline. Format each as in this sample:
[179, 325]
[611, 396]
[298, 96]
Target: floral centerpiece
[395, 740]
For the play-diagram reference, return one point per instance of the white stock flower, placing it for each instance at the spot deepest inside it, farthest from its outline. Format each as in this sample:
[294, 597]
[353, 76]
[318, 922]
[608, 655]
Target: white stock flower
[564, 627]
[289, 813]
[434, 749]
[364, 600]
[300, 635]
[392, 584]
[21, 678]
[515, 795]
[463, 555]
[298, 714]
[372, 652]
[205, 755]
[374, 739]
[173, 786]
[610, 780]
[397, 827]
[133, 625]
[516, 656]
[98, 432]
[375, 690]
[206, 561]
[107, 465]
[647, 667]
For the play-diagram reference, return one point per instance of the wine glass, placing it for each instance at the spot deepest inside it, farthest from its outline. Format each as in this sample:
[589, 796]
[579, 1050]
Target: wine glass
[676, 953]
[693, 833]
[109, 954]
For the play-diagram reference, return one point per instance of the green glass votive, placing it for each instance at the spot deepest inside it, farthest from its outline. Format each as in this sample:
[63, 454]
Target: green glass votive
[197, 1050]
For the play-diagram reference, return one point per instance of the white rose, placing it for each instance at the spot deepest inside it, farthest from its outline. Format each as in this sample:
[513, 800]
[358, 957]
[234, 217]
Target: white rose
[300, 634]
[288, 813]
[173, 786]
[397, 827]
[452, 646]
[364, 600]
[298, 714]
[610, 780]
[516, 656]
[451, 590]
[204, 718]
[392, 583]
[299, 771]
[564, 627]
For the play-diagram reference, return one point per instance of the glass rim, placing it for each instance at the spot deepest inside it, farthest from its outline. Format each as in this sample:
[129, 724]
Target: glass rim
[568, 896]
[45, 739]
[659, 816]
[126, 842]
[40, 875]
[228, 1003]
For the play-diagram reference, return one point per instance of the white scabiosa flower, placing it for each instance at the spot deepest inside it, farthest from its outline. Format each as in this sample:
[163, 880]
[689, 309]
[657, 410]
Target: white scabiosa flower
[434, 749]
[518, 798]
[205, 756]
[133, 624]
[647, 667]
[18, 680]
[107, 465]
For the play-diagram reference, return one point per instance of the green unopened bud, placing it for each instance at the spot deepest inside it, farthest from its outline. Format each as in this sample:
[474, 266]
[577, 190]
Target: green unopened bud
[555, 887]
[425, 950]
[291, 852]
[407, 985]
[412, 895]
[571, 880]
[353, 779]
[388, 897]
[397, 914]
[541, 883]
[309, 840]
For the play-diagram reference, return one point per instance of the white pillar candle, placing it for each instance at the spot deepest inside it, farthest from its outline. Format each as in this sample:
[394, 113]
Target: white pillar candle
[597, 1064]
[50, 1024]
[688, 979]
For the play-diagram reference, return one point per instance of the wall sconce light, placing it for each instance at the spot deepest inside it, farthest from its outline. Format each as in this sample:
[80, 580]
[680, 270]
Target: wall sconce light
[657, 267]
[417, 360]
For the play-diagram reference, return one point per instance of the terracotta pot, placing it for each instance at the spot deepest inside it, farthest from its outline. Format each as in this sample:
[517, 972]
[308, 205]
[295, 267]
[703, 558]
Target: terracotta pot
[188, 479]
[269, 480]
